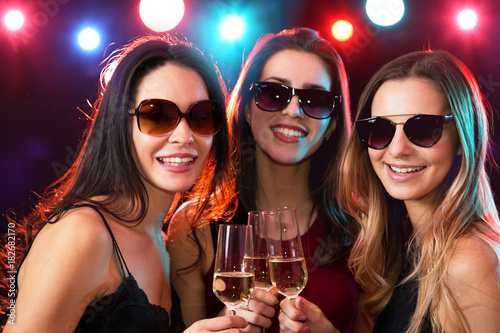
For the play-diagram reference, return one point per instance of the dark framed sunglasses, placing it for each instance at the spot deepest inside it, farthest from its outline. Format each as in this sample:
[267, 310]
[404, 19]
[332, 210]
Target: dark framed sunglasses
[423, 130]
[316, 103]
[159, 116]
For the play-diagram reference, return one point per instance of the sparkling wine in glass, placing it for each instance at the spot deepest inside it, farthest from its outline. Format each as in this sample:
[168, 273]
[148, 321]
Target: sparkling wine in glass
[233, 274]
[286, 257]
[261, 254]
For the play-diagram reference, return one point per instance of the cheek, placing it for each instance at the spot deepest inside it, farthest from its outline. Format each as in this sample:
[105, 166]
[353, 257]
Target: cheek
[374, 157]
[205, 145]
[259, 122]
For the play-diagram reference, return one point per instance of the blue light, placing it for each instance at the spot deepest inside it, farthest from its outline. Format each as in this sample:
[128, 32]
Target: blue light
[232, 28]
[88, 39]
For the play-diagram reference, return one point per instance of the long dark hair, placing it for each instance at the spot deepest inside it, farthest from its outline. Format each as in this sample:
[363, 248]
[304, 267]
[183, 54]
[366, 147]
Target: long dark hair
[104, 172]
[339, 234]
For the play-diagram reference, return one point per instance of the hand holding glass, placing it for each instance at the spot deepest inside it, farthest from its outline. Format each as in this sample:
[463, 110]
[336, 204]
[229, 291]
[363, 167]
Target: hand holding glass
[287, 263]
[233, 275]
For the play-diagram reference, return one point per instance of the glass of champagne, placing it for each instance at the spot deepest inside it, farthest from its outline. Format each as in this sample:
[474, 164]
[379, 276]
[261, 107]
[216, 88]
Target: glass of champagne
[233, 274]
[286, 257]
[261, 254]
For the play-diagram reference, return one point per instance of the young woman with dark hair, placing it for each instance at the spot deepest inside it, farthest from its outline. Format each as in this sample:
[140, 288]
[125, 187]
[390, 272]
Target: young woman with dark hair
[98, 262]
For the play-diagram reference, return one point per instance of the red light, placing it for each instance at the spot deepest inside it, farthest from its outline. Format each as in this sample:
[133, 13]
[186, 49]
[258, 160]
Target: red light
[14, 20]
[342, 30]
[467, 19]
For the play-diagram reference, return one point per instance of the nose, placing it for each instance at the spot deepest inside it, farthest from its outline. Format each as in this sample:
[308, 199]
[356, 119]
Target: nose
[182, 133]
[400, 144]
[293, 109]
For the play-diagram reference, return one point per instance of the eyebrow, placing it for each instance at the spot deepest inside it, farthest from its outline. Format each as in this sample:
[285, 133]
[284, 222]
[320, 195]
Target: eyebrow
[288, 83]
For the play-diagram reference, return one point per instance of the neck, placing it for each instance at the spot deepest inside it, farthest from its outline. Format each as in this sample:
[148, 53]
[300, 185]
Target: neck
[158, 207]
[282, 185]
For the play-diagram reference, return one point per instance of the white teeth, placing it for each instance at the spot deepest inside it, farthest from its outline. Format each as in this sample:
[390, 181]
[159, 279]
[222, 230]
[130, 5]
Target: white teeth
[175, 161]
[405, 170]
[289, 133]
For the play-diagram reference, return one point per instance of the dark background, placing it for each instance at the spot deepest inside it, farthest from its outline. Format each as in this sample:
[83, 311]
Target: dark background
[46, 79]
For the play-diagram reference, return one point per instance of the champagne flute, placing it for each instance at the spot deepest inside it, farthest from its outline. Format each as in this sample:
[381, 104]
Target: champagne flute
[260, 248]
[286, 257]
[233, 274]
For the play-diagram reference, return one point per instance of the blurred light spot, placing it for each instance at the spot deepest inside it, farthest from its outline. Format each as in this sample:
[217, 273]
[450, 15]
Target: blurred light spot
[161, 15]
[342, 30]
[14, 20]
[232, 28]
[88, 39]
[467, 19]
[385, 12]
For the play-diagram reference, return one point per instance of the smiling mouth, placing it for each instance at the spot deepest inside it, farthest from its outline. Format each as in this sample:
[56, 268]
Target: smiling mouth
[403, 171]
[289, 133]
[175, 161]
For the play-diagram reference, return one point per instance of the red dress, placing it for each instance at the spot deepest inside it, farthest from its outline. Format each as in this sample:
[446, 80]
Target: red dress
[332, 288]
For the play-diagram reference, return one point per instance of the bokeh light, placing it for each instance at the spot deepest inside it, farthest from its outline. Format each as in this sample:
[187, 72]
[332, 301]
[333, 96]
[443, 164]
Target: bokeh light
[88, 39]
[161, 15]
[342, 30]
[14, 20]
[232, 28]
[385, 12]
[467, 19]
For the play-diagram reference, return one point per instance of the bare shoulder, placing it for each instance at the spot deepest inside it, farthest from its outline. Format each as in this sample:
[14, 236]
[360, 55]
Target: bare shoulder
[473, 276]
[180, 226]
[471, 259]
[78, 239]
[81, 228]
[67, 267]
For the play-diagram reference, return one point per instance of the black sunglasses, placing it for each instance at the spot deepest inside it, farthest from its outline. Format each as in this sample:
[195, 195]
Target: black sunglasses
[423, 130]
[316, 103]
[159, 117]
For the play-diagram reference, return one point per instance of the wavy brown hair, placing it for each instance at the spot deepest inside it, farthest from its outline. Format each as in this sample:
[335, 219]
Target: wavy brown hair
[463, 204]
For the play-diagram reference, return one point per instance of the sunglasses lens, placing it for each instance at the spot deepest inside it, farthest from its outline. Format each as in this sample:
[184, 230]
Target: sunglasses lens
[271, 96]
[158, 117]
[317, 103]
[376, 133]
[424, 130]
[205, 118]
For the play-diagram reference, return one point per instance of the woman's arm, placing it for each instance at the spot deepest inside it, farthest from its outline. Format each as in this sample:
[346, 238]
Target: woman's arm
[67, 267]
[183, 251]
[473, 276]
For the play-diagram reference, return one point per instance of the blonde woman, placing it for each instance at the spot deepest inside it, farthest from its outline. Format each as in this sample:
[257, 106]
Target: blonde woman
[414, 177]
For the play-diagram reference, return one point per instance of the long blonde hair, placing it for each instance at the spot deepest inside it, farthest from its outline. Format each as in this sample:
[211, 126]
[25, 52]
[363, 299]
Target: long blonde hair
[464, 204]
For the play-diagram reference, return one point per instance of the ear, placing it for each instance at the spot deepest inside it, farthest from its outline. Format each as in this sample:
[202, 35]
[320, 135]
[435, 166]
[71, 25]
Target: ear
[331, 128]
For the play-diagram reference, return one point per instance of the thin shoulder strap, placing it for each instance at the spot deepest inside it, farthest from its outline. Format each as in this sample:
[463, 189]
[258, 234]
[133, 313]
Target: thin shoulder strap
[121, 260]
[115, 244]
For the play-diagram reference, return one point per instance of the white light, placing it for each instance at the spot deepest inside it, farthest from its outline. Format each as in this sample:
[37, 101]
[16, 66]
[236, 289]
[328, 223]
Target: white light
[161, 15]
[232, 27]
[14, 20]
[467, 19]
[88, 39]
[385, 12]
